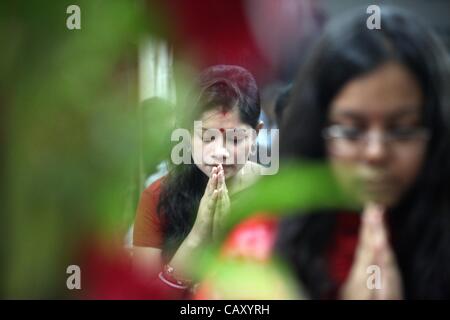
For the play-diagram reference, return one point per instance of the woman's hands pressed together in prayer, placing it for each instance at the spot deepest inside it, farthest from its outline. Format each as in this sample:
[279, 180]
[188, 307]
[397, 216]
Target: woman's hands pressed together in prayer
[213, 209]
[373, 249]
[212, 212]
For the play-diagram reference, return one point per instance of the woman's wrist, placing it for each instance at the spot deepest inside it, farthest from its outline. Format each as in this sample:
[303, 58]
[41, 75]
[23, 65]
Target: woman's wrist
[195, 239]
[169, 277]
[182, 259]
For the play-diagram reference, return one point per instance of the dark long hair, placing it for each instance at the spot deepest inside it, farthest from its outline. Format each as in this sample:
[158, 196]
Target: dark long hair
[182, 189]
[420, 223]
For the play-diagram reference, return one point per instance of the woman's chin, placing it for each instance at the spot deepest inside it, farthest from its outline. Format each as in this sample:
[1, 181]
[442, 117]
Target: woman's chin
[384, 199]
[229, 171]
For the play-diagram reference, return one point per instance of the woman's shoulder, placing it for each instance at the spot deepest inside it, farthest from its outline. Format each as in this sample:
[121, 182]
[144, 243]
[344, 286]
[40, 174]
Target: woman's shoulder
[250, 174]
[149, 201]
[254, 168]
[147, 226]
[154, 189]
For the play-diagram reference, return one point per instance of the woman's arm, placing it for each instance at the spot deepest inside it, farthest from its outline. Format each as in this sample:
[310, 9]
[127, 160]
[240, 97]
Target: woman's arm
[145, 252]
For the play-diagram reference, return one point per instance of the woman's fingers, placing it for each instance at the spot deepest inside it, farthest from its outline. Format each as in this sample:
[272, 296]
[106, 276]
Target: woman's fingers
[223, 191]
[205, 214]
[379, 242]
[222, 209]
[391, 283]
[217, 200]
[212, 201]
[223, 184]
[369, 221]
[226, 200]
[217, 214]
[223, 202]
[220, 177]
[212, 182]
[373, 249]
[365, 254]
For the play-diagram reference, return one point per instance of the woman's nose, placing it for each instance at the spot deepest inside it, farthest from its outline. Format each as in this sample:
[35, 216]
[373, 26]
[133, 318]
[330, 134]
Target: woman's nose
[220, 154]
[375, 149]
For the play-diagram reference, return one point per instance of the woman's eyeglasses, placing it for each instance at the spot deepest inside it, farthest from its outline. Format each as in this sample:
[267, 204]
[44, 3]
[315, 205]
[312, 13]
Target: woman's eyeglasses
[352, 138]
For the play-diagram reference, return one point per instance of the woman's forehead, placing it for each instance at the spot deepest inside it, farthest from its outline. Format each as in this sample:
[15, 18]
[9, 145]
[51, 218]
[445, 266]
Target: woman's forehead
[390, 90]
[380, 112]
[222, 119]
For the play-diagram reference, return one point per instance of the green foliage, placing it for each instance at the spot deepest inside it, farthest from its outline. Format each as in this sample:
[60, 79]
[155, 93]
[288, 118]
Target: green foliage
[69, 118]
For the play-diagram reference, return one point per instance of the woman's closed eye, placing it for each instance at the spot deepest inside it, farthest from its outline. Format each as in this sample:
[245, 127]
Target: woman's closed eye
[236, 139]
[208, 138]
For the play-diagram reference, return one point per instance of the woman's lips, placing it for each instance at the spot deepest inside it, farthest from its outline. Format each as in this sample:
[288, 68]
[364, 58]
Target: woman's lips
[223, 165]
[226, 167]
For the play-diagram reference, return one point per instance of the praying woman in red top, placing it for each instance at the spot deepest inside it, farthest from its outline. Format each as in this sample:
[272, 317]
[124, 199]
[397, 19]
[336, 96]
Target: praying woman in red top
[185, 210]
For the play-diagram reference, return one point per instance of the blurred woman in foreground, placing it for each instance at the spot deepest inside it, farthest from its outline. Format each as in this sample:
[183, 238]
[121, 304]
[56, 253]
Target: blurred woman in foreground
[374, 104]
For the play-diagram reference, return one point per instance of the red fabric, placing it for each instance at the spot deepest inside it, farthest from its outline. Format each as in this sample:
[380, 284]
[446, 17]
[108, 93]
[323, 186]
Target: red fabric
[254, 238]
[217, 32]
[342, 248]
[148, 226]
[108, 273]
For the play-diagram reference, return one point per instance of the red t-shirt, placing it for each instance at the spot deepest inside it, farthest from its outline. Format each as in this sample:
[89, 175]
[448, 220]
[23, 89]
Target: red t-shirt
[148, 227]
